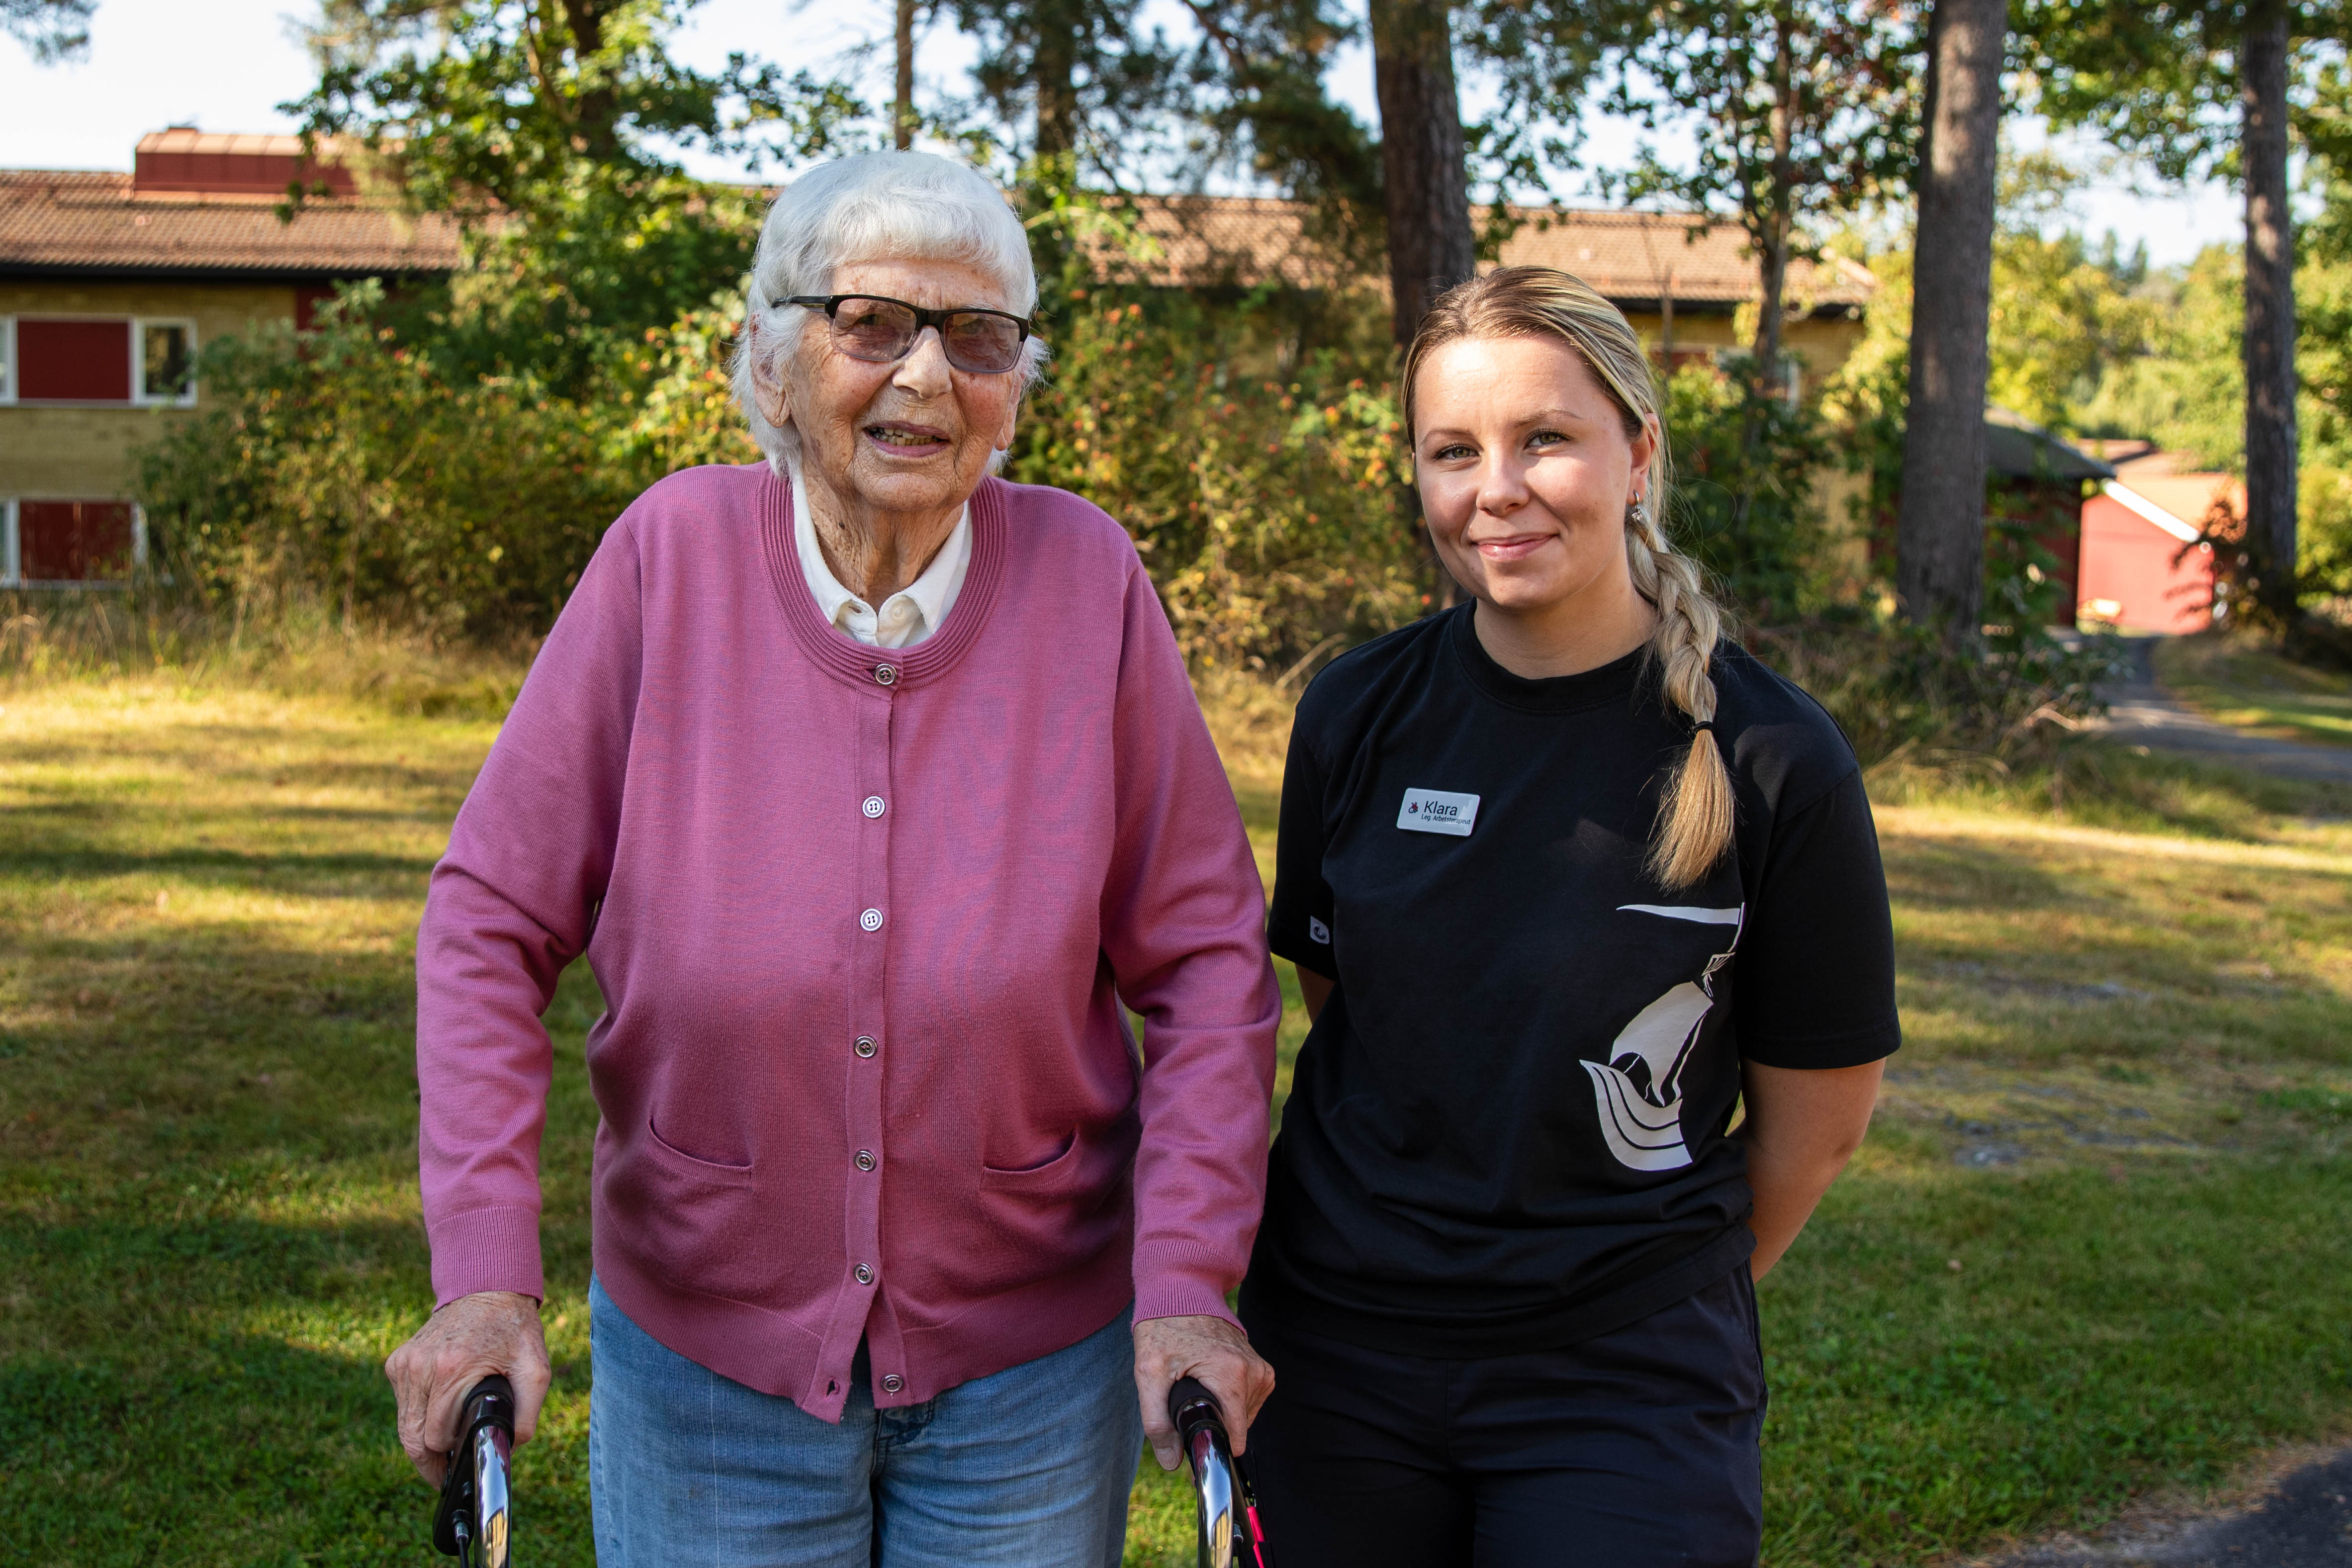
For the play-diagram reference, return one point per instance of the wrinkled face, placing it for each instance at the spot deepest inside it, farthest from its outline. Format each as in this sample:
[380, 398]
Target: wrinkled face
[1525, 470]
[914, 435]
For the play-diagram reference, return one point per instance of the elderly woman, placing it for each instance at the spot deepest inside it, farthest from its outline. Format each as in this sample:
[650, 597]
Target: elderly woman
[873, 790]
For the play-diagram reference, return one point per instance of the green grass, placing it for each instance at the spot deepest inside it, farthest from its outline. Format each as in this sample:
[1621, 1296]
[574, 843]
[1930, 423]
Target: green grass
[2124, 1110]
[2255, 688]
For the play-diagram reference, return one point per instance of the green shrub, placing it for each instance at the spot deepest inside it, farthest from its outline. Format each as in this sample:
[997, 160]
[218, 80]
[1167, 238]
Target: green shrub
[344, 473]
[1265, 501]
[1744, 500]
[1904, 696]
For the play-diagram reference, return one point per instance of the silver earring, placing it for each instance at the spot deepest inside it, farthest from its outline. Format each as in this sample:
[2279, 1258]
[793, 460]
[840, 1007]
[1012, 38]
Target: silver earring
[1636, 515]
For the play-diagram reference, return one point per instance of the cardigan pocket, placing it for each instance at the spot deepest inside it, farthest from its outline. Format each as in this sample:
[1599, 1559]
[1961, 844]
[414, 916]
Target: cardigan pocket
[1058, 1215]
[687, 1223]
[718, 1169]
[1036, 1178]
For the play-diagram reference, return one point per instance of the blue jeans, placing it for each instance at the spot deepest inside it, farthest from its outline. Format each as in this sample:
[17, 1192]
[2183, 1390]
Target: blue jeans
[1029, 1467]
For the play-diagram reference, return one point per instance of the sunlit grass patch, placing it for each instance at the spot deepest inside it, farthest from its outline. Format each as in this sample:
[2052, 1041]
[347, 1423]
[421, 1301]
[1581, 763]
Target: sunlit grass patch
[2244, 684]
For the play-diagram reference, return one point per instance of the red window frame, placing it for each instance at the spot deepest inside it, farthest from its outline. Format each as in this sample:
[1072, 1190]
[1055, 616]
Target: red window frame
[89, 360]
[65, 542]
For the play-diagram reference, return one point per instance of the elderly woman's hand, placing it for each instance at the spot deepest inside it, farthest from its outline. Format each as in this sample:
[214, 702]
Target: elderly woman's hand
[1211, 1350]
[464, 1342]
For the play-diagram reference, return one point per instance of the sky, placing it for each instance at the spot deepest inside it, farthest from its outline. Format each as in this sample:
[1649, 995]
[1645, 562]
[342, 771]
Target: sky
[224, 65]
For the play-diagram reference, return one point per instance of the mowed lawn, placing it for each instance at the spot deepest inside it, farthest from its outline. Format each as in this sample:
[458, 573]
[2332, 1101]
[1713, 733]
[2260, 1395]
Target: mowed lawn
[2098, 1242]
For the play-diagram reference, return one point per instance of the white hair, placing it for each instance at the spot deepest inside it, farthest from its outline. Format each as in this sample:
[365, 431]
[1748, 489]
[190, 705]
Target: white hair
[877, 206]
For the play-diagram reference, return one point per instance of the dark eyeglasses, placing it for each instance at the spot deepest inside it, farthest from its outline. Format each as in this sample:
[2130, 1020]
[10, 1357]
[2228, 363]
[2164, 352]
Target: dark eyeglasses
[882, 331]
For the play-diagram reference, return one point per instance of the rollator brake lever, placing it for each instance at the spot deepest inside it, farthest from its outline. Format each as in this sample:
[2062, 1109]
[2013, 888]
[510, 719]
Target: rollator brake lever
[475, 1520]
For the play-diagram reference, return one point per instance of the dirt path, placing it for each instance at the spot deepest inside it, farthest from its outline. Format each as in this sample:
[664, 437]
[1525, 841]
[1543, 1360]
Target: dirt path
[2303, 1518]
[2142, 713]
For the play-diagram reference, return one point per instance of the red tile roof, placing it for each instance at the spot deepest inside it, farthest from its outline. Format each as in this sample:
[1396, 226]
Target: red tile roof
[1632, 257]
[58, 222]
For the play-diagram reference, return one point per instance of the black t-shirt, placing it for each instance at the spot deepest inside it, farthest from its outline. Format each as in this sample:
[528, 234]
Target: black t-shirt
[1507, 1128]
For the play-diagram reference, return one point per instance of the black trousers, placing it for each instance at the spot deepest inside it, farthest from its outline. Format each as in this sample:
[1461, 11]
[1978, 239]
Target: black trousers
[1636, 1449]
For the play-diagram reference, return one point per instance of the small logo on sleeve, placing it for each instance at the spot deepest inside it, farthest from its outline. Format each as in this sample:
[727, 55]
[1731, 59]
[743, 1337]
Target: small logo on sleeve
[1317, 932]
[1438, 811]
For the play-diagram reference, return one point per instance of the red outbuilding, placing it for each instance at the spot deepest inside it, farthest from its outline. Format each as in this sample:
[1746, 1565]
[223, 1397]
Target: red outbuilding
[2143, 567]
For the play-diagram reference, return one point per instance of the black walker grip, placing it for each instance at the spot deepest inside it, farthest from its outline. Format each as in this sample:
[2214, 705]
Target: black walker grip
[489, 1404]
[1191, 1407]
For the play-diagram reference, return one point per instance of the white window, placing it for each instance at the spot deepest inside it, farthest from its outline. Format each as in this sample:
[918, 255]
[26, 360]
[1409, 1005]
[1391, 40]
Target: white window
[7, 359]
[164, 362]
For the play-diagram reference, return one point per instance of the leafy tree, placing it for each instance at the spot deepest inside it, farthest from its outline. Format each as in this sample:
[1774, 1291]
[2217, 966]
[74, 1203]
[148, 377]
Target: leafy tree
[1255, 100]
[2213, 87]
[1081, 73]
[1801, 111]
[1939, 530]
[53, 30]
[540, 125]
[480, 106]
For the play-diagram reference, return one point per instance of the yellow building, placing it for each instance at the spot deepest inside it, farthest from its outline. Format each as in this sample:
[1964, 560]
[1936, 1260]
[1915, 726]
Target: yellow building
[111, 286]
[1688, 285]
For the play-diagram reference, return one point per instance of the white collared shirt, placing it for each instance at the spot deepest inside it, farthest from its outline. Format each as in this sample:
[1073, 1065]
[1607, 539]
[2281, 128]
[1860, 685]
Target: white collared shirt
[906, 618]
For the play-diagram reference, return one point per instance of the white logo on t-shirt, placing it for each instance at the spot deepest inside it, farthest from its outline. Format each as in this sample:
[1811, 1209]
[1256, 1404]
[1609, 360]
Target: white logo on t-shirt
[1639, 1091]
[1318, 930]
[1438, 811]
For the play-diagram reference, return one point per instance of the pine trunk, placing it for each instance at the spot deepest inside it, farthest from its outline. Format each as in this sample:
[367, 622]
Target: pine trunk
[1057, 84]
[596, 112]
[2271, 445]
[1431, 245]
[1939, 527]
[1772, 254]
[902, 112]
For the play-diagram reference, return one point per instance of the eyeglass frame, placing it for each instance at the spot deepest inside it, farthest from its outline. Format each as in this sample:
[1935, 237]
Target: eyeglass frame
[924, 317]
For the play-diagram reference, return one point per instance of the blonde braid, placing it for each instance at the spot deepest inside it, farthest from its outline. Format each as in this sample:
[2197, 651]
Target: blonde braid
[1694, 814]
[1695, 818]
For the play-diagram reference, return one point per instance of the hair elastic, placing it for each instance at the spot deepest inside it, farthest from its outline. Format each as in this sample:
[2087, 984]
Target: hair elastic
[1699, 724]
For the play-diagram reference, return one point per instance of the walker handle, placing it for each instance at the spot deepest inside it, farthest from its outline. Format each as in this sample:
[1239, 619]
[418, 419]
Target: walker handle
[474, 1521]
[1230, 1536]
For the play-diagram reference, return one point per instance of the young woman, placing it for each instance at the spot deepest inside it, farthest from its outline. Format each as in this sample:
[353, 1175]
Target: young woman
[1567, 877]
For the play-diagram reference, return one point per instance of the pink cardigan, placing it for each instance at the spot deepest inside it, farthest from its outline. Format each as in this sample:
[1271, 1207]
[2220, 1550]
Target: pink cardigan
[863, 920]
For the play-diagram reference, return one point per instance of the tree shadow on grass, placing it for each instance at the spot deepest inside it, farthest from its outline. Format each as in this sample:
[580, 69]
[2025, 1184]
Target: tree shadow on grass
[54, 859]
[144, 1417]
[238, 1449]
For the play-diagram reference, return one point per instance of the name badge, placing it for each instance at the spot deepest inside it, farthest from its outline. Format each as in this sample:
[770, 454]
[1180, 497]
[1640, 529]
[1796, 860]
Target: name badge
[1438, 811]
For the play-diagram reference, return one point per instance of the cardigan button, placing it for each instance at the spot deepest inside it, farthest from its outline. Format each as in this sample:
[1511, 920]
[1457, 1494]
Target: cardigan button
[886, 675]
[893, 1383]
[871, 920]
[864, 1276]
[872, 805]
[866, 1159]
[865, 1046]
